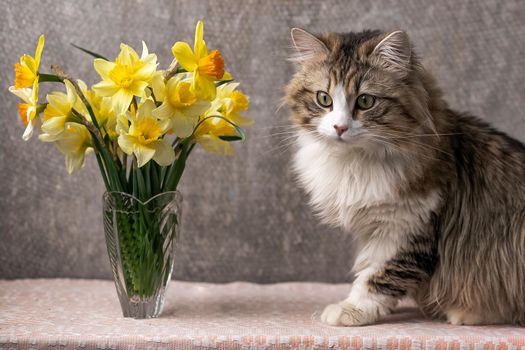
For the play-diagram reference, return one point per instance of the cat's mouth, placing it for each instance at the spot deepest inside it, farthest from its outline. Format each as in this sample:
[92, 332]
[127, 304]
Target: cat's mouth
[351, 136]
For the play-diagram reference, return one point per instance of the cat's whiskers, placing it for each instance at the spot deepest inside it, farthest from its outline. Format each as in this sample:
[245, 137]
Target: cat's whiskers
[388, 141]
[410, 140]
[290, 140]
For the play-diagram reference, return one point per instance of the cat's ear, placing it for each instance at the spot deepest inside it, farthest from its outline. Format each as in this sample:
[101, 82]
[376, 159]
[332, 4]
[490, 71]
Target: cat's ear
[307, 45]
[394, 52]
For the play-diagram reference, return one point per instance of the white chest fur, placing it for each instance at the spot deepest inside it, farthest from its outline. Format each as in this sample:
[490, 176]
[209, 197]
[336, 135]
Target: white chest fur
[341, 183]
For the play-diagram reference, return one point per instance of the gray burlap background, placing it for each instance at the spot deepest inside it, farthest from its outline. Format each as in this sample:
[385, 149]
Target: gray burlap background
[244, 219]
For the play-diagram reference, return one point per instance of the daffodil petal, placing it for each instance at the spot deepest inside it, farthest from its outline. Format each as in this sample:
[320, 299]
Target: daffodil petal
[183, 126]
[138, 88]
[145, 109]
[30, 63]
[58, 103]
[121, 100]
[215, 145]
[74, 161]
[226, 89]
[103, 67]
[47, 138]
[105, 88]
[158, 86]
[55, 125]
[184, 56]
[143, 154]
[198, 42]
[205, 88]
[39, 48]
[126, 143]
[241, 121]
[82, 85]
[144, 50]
[122, 126]
[164, 154]
[164, 111]
[227, 76]
[198, 108]
[71, 93]
[28, 132]
[126, 55]
[23, 93]
[146, 71]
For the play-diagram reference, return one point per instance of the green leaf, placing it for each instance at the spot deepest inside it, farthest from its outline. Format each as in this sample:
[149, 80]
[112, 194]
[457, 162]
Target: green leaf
[230, 138]
[222, 82]
[241, 136]
[155, 181]
[177, 168]
[94, 54]
[141, 183]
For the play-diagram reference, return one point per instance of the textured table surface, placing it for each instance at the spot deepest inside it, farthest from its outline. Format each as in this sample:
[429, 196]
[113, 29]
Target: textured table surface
[85, 314]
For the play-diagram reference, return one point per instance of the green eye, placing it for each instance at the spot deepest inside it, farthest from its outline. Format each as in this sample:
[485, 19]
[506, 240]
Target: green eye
[324, 99]
[365, 101]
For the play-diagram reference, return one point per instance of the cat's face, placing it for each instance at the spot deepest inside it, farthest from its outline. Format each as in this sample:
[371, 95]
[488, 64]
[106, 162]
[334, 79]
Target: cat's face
[355, 89]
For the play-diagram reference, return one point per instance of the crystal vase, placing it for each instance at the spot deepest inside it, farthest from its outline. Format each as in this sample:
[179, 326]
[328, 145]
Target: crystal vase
[140, 238]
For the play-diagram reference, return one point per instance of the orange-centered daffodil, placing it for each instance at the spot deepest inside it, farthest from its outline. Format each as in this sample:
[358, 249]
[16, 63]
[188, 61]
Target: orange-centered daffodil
[26, 71]
[29, 109]
[207, 67]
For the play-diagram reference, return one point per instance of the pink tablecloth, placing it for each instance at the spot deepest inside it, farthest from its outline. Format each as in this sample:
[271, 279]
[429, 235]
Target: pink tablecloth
[62, 314]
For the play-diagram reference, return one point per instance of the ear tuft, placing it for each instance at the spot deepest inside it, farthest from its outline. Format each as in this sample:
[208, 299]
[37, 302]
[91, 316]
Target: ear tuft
[394, 52]
[307, 45]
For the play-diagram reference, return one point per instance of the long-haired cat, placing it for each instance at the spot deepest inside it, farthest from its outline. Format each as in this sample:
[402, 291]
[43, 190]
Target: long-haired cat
[434, 198]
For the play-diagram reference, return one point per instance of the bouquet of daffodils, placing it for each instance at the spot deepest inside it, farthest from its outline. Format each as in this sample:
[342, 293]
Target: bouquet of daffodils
[140, 122]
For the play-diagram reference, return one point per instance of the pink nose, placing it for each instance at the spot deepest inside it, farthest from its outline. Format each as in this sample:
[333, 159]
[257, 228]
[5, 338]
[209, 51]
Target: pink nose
[340, 129]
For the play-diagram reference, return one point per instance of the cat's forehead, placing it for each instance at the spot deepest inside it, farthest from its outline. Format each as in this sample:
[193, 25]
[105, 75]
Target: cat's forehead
[346, 44]
[347, 51]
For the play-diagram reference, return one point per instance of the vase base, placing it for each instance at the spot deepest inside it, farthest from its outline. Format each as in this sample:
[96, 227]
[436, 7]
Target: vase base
[138, 308]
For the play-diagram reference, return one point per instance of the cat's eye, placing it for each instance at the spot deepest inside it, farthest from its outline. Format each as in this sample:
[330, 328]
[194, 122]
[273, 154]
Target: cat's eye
[324, 99]
[365, 101]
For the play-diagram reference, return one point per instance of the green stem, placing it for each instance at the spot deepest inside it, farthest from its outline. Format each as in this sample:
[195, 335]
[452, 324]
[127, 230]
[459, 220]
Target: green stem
[102, 171]
[175, 172]
[155, 181]
[48, 78]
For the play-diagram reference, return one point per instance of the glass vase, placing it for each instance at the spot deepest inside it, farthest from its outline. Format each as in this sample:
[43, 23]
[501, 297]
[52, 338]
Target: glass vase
[140, 238]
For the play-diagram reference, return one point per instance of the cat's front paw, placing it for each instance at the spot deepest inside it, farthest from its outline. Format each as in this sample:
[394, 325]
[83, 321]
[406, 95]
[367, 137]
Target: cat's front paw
[343, 314]
[462, 317]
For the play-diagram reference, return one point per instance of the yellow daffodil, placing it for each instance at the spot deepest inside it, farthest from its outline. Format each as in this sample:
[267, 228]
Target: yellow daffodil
[128, 76]
[29, 109]
[58, 112]
[26, 71]
[208, 132]
[74, 142]
[230, 102]
[158, 86]
[106, 118]
[141, 134]
[180, 105]
[207, 67]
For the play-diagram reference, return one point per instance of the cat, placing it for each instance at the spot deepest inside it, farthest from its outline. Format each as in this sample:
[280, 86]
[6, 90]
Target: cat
[435, 199]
